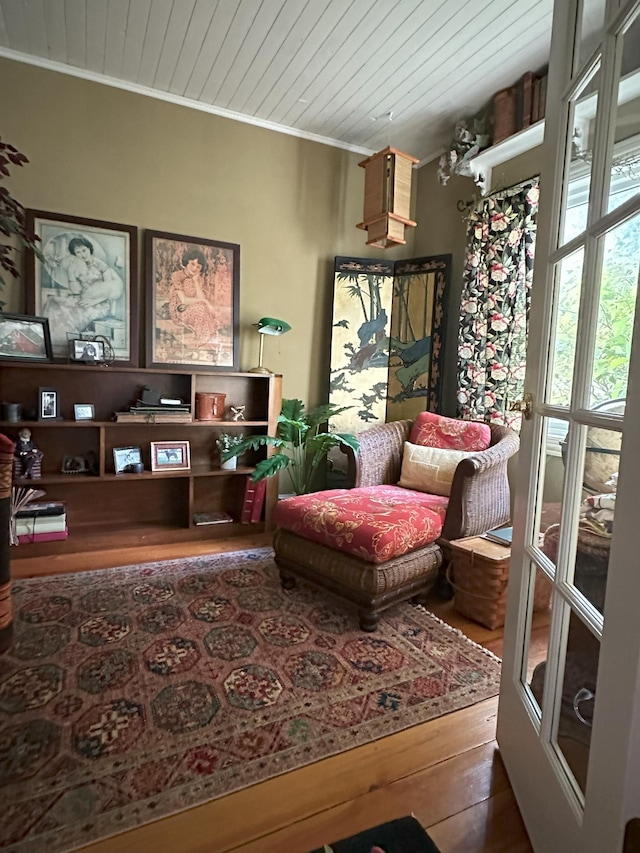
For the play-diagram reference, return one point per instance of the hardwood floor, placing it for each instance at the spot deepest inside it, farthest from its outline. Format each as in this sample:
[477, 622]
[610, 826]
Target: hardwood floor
[447, 772]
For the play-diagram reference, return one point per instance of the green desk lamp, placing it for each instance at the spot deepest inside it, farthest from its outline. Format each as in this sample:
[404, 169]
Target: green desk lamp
[268, 326]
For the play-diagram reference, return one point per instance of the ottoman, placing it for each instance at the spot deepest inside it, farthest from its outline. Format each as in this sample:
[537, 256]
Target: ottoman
[371, 547]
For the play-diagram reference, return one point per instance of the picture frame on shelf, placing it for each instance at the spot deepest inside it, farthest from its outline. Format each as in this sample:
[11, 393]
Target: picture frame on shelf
[87, 284]
[25, 338]
[84, 411]
[86, 464]
[88, 351]
[170, 456]
[127, 460]
[48, 404]
[193, 298]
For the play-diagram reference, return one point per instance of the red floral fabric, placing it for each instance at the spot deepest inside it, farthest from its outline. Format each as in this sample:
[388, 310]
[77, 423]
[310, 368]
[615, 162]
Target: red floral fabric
[432, 430]
[375, 523]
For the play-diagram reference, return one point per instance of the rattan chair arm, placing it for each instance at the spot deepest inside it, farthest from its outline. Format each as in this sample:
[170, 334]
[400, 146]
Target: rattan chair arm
[480, 497]
[379, 459]
[505, 442]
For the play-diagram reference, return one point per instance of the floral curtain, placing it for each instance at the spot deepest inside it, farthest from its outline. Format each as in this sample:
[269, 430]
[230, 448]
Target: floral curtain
[494, 308]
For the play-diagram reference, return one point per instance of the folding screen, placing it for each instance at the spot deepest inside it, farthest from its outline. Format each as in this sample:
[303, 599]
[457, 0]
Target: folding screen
[387, 339]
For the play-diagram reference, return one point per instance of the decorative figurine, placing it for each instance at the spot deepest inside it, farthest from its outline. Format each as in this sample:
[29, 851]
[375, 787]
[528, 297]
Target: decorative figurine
[237, 413]
[27, 457]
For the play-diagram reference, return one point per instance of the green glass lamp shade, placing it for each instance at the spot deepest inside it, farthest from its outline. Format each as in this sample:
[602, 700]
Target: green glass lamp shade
[268, 326]
[271, 326]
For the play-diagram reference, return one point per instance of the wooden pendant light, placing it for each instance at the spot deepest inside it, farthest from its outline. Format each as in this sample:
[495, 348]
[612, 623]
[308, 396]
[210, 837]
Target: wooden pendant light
[387, 197]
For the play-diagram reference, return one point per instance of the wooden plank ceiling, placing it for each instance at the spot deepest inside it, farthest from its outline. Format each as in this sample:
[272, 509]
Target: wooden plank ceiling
[359, 74]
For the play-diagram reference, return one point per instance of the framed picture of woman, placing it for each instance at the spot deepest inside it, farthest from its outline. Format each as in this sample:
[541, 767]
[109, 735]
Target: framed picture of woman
[86, 284]
[192, 293]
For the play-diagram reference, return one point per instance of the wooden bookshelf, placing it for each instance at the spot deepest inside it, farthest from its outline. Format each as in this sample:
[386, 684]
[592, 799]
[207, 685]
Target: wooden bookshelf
[109, 510]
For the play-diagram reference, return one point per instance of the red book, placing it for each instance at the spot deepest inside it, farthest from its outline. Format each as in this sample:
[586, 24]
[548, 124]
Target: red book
[47, 536]
[258, 501]
[253, 501]
[543, 97]
[527, 98]
[504, 114]
[535, 103]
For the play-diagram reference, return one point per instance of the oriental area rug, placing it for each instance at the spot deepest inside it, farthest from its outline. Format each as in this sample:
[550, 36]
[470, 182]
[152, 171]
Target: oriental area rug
[132, 693]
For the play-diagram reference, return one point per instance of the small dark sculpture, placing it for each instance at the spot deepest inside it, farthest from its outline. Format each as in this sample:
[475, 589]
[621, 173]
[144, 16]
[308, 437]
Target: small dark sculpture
[27, 456]
[87, 464]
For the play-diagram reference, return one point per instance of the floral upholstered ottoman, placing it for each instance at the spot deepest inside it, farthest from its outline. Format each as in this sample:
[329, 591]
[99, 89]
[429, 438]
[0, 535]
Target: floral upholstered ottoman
[373, 546]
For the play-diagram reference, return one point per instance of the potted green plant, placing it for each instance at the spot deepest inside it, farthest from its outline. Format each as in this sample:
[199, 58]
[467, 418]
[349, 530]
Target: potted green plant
[13, 220]
[227, 443]
[299, 445]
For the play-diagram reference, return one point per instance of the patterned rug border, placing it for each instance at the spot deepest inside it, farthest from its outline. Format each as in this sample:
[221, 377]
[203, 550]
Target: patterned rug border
[457, 631]
[220, 783]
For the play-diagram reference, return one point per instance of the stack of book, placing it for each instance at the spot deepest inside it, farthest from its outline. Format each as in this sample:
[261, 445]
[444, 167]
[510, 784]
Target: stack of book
[201, 518]
[167, 411]
[41, 522]
[519, 106]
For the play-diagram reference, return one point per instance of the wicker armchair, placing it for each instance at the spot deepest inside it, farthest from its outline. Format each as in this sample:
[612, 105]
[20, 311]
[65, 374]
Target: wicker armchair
[479, 498]
[479, 501]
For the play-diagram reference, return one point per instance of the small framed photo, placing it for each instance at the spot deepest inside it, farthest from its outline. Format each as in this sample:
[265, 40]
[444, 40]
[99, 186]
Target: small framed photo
[48, 404]
[88, 351]
[24, 338]
[170, 456]
[127, 460]
[84, 411]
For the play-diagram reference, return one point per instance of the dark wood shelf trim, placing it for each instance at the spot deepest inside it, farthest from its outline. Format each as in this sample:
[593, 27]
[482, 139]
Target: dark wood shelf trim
[116, 368]
[90, 538]
[51, 479]
[121, 424]
[107, 510]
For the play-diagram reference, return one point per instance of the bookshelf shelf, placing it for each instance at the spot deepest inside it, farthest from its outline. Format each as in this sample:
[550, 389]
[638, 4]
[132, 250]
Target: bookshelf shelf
[122, 425]
[112, 510]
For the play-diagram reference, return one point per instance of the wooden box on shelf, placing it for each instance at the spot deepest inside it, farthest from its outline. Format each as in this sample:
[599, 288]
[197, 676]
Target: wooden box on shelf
[117, 510]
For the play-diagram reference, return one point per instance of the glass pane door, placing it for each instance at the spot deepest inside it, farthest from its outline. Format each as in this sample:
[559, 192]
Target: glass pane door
[581, 346]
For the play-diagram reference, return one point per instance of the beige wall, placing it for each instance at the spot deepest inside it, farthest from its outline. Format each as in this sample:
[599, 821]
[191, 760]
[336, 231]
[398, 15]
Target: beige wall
[292, 205]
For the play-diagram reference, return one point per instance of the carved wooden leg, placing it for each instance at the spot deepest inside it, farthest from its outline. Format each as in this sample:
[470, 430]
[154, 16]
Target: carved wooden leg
[368, 621]
[287, 580]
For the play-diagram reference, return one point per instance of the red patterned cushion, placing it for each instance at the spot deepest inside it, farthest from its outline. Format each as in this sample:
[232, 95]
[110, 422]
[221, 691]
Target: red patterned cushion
[376, 523]
[432, 430]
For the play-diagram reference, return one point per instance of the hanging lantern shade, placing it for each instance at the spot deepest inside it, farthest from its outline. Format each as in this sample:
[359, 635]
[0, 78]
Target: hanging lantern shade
[387, 197]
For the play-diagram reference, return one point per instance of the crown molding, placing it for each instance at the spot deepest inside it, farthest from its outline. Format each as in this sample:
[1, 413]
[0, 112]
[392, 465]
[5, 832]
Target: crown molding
[169, 97]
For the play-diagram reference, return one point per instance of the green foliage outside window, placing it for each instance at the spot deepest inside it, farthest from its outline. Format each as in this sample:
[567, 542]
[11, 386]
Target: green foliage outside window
[619, 286]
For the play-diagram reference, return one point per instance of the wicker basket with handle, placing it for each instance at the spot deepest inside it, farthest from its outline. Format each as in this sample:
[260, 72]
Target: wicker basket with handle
[479, 574]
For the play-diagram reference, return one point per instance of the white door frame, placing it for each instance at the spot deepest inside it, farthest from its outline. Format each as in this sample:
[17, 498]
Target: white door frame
[556, 817]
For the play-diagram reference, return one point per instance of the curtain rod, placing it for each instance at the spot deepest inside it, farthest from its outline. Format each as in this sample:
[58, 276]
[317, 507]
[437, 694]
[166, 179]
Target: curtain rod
[466, 206]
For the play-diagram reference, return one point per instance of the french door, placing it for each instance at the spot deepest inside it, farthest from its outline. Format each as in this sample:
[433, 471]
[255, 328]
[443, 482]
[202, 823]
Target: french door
[569, 714]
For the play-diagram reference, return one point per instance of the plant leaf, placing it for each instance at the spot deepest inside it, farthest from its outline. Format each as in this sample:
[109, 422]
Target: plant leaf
[321, 414]
[256, 441]
[348, 439]
[293, 410]
[268, 467]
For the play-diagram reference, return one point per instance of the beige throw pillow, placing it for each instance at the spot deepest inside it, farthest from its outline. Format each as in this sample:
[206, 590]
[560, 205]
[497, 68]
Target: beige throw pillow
[429, 469]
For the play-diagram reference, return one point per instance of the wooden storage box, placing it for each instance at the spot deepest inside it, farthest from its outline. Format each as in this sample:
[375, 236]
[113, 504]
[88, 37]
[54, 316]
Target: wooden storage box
[479, 574]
